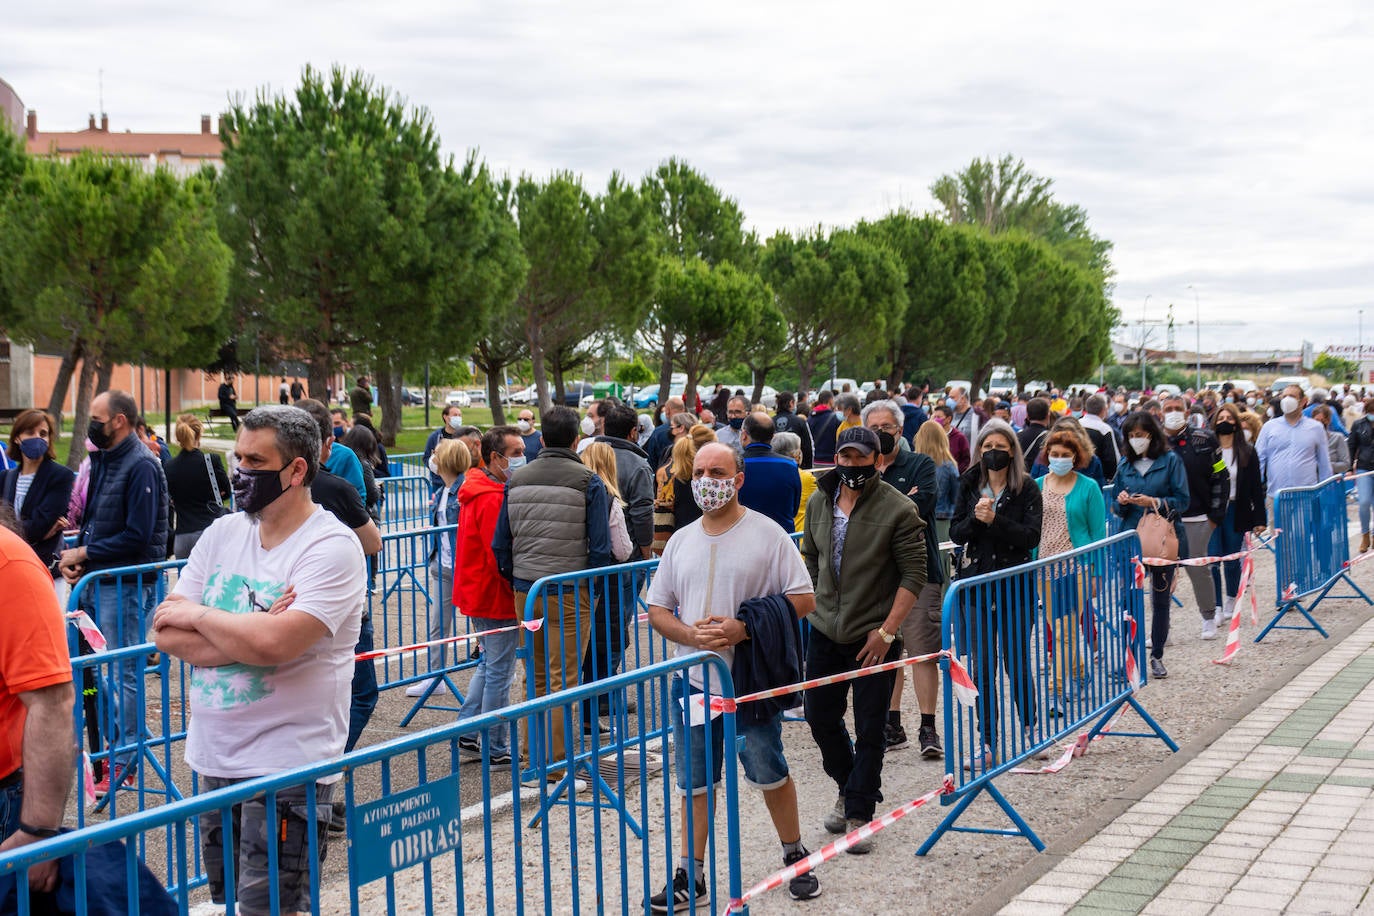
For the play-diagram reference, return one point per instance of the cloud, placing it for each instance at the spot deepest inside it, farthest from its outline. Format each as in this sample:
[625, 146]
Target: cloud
[1222, 144]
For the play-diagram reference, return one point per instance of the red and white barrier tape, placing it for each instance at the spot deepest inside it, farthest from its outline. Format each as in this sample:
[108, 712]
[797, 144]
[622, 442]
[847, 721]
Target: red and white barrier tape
[1247, 574]
[829, 851]
[531, 625]
[88, 780]
[1208, 561]
[964, 691]
[94, 638]
[1073, 750]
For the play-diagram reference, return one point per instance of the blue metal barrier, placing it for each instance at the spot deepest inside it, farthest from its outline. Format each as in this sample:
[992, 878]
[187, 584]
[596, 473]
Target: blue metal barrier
[1046, 645]
[410, 464]
[405, 503]
[592, 624]
[1312, 555]
[406, 826]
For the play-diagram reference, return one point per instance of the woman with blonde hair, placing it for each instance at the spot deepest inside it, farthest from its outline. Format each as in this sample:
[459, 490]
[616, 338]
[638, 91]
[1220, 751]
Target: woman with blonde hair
[674, 507]
[197, 486]
[932, 440]
[600, 457]
[450, 462]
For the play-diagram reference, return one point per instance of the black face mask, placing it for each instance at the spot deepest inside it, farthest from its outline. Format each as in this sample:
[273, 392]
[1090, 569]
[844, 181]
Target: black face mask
[855, 477]
[256, 490]
[1226, 428]
[96, 433]
[995, 459]
[886, 443]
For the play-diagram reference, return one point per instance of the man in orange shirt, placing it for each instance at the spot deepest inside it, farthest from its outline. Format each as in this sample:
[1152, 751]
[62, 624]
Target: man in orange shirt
[36, 751]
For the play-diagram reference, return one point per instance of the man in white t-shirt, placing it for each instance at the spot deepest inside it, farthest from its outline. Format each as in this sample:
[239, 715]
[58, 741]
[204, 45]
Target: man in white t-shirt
[270, 690]
[727, 557]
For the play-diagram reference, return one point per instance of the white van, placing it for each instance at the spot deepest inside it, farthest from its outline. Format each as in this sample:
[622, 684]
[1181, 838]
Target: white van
[836, 385]
[1301, 381]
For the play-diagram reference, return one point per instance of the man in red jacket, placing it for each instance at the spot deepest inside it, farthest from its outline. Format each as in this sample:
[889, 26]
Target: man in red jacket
[481, 593]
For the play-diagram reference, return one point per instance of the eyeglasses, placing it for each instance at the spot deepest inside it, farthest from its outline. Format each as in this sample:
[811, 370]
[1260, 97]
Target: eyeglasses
[886, 428]
[254, 602]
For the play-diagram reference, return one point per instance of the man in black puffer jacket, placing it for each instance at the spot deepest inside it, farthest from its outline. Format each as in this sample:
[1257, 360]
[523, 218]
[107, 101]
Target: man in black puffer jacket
[125, 525]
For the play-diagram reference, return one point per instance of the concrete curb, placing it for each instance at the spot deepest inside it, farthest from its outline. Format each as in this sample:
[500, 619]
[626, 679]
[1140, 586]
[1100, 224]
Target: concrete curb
[1000, 894]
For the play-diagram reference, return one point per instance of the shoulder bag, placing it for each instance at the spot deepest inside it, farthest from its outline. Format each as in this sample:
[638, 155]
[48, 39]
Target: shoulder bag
[217, 508]
[1158, 538]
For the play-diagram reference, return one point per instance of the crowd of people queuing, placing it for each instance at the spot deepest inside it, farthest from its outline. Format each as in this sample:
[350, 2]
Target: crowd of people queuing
[874, 483]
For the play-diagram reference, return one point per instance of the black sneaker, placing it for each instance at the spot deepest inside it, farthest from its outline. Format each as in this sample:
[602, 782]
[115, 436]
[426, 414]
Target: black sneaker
[894, 737]
[805, 886]
[929, 739]
[1157, 668]
[677, 896]
[338, 821]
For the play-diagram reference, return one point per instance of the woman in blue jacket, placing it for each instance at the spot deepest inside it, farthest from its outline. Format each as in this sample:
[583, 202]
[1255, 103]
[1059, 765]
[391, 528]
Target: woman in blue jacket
[1152, 477]
[38, 488]
[1074, 515]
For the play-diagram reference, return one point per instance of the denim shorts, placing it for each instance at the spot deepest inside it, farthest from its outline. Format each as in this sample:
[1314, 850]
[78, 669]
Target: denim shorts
[760, 749]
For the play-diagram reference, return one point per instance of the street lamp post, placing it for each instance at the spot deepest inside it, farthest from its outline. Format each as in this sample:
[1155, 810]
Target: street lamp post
[1359, 351]
[1198, 340]
[1141, 355]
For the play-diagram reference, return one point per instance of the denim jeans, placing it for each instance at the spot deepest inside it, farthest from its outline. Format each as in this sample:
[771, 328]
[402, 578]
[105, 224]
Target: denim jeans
[443, 616]
[120, 609]
[1364, 492]
[11, 801]
[1225, 540]
[489, 688]
[615, 611]
[364, 687]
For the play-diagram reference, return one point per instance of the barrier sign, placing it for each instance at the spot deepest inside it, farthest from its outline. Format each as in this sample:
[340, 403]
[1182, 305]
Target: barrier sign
[402, 830]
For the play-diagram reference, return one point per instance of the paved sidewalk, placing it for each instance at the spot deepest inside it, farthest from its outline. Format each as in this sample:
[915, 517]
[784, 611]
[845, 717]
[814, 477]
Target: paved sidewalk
[1277, 815]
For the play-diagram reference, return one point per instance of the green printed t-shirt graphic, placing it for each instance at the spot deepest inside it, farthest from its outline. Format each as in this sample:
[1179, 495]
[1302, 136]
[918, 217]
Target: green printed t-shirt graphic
[234, 685]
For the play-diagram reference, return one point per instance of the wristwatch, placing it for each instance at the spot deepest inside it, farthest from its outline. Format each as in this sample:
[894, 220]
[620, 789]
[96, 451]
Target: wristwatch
[886, 637]
[42, 833]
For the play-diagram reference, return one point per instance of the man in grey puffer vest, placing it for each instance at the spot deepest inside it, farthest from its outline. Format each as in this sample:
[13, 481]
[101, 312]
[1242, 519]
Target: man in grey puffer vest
[555, 519]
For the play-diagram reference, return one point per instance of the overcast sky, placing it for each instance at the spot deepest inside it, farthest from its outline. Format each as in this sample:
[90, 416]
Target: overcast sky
[1220, 144]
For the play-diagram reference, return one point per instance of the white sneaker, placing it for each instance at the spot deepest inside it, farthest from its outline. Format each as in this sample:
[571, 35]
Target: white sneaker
[418, 688]
[1228, 607]
[1209, 629]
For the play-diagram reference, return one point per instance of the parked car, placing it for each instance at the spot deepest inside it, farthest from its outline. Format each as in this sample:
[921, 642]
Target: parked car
[837, 385]
[476, 395]
[1166, 389]
[458, 399]
[411, 397]
[1301, 381]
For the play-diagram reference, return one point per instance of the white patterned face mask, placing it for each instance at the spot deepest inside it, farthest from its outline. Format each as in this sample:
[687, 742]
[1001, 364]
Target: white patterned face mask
[711, 493]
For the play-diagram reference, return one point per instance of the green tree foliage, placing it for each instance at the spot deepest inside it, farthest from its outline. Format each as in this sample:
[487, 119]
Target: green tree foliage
[634, 373]
[353, 240]
[995, 196]
[837, 292]
[118, 264]
[696, 222]
[592, 265]
[959, 287]
[1058, 325]
[714, 309]
[1335, 368]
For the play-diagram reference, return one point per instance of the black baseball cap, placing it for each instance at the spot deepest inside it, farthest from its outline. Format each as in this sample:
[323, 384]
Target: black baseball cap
[859, 437]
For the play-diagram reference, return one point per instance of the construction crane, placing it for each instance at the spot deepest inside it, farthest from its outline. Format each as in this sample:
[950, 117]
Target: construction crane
[1145, 326]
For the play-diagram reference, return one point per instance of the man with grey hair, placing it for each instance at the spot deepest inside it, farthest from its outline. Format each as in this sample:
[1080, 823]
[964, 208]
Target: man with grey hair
[736, 409]
[965, 417]
[268, 610]
[913, 475]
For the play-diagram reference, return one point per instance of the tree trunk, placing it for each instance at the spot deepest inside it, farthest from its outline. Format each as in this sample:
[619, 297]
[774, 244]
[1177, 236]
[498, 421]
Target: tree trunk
[498, 411]
[895, 378]
[320, 370]
[665, 374]
[82, 416]
[805, 368]
[104, 371]
[389, 400]
[980, 374]
[759, 373]
[540, 371]
[560, 391]
[63, 383]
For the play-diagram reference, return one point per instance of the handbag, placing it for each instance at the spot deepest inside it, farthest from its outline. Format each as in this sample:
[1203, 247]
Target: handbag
[664, 522]
[1158, 538]
[217, 508]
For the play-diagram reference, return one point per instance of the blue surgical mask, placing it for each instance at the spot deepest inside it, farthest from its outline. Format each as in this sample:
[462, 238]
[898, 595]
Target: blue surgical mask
[338, 432]
[950, 403]
[517, 462]
[1061, 466]
[34, 448]
[1078, 414]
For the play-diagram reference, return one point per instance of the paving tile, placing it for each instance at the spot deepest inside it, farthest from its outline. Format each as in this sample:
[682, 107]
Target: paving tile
[1019, 907]
[1129, 886]
[1052, 893]
[1112, 901]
